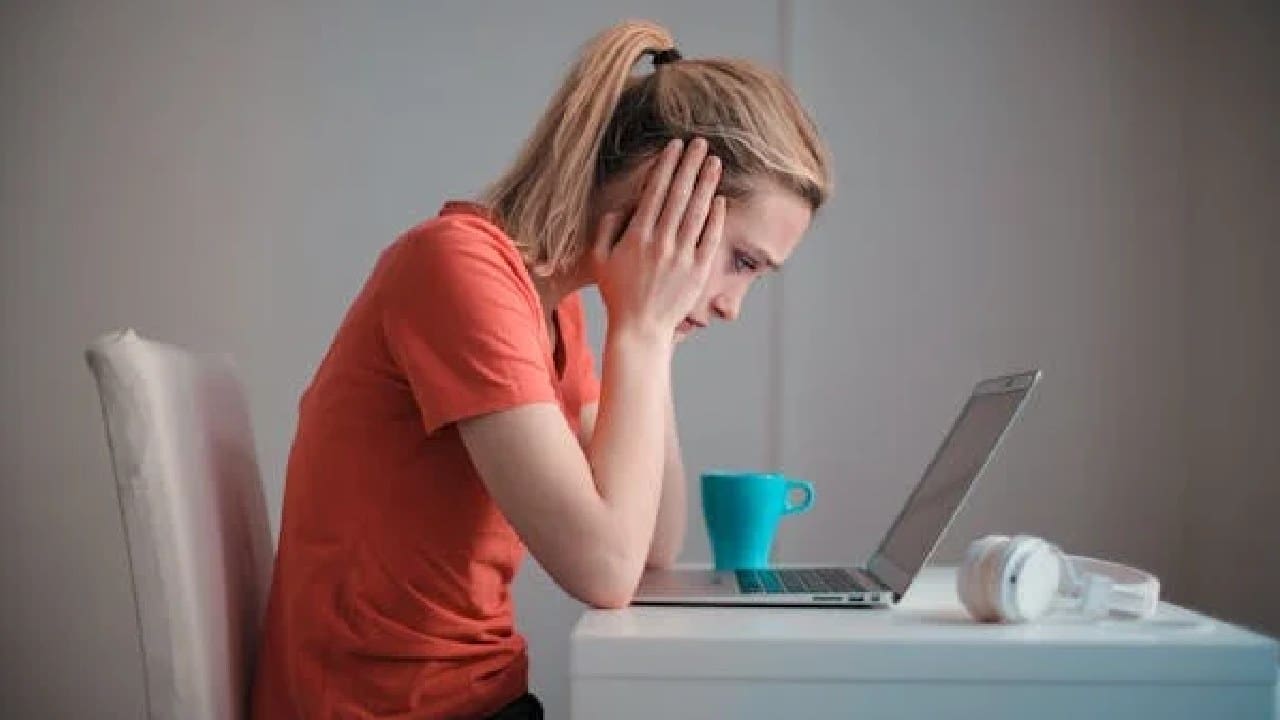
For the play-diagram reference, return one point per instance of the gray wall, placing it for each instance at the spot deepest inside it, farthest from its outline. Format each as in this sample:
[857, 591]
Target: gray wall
[1084, 187]
[1233, 166]
[1011, 191]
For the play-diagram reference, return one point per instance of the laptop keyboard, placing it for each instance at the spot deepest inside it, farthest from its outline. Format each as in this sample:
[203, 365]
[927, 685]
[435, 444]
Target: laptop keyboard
[797, 581]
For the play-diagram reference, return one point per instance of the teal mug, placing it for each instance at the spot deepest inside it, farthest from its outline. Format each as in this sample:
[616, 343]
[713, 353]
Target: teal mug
[742, 510]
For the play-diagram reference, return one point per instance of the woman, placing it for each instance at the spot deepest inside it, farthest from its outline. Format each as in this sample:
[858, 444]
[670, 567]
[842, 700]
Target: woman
[457, 418]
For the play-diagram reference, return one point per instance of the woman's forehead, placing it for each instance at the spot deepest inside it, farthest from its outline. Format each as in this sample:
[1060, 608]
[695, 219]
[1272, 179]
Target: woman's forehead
[772, 219]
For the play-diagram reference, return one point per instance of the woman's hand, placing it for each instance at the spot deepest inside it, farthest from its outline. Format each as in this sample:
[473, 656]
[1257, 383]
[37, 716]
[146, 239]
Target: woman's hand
[651, 278]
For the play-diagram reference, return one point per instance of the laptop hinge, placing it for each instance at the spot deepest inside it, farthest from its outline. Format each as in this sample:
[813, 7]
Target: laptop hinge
[869, 579]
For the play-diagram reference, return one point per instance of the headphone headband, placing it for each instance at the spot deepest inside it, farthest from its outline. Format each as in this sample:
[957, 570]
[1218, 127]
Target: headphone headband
[1133, 592]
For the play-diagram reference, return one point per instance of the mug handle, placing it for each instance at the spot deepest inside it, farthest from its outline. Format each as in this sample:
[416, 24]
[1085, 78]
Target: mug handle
[803, 505]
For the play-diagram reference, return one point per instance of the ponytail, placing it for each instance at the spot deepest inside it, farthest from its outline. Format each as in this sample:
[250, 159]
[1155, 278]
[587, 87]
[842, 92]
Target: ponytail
[544, 199]
[603, 121]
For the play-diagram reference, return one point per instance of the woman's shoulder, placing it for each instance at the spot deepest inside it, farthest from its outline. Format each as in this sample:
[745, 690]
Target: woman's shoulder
[462, 240]
[460, 222]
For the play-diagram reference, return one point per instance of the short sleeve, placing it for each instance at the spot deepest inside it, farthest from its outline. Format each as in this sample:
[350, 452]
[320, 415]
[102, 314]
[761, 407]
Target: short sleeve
[462, 323]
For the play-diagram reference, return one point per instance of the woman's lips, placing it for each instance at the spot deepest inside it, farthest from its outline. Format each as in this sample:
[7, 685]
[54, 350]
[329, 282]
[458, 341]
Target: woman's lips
[688, 325]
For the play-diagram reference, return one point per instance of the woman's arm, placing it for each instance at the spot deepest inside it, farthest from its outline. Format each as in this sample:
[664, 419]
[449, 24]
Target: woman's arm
[589, 517]
[669, 531]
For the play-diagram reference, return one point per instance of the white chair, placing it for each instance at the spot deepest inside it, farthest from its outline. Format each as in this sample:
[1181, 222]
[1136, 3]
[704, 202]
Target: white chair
[195, 521]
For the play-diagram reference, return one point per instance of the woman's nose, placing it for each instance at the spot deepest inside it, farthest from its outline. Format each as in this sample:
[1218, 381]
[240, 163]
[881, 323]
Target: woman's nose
[726, 308]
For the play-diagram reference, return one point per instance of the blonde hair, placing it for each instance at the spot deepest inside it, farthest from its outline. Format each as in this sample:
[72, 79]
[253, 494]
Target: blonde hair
[603, 120]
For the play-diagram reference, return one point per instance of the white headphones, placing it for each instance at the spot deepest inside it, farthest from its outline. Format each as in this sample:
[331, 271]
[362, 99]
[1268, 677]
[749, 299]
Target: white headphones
[1017, 579]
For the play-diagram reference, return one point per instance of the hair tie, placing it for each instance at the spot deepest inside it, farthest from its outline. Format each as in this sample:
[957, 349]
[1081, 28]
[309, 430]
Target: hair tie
[662, 57]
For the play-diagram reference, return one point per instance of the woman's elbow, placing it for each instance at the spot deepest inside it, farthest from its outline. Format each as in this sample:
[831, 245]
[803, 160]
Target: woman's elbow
[610, 601]
[606, 595]
[611, 585]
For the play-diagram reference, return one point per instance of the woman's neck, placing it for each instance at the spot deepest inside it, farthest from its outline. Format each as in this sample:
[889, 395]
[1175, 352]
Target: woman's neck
[552, 289]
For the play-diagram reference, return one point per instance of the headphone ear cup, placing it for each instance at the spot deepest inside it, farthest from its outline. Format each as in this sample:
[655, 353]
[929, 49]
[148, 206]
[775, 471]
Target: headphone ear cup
[1029, 574]
[992, 576]
[972, 581]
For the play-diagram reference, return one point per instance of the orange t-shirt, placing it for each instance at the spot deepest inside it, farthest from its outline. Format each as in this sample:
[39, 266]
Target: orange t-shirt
[391, 592]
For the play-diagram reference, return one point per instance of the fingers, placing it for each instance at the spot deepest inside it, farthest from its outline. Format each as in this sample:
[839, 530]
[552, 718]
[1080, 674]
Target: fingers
[680, 190]
[655, 189]
[712, 233]
[606, 233]
[695, 215]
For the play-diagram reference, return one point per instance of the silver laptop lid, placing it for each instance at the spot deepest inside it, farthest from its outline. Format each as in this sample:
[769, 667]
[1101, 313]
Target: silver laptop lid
[968, 448]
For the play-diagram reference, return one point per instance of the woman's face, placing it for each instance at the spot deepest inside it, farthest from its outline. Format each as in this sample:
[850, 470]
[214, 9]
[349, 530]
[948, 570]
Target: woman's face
[761, 231]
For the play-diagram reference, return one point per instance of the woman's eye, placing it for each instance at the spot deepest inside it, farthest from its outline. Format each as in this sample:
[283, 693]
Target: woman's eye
[743, 262]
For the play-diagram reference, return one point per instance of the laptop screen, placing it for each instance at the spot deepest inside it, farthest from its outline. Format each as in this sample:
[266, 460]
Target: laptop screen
[947, 480]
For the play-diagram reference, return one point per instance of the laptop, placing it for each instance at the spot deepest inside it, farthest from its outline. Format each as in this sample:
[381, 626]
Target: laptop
[884, 579]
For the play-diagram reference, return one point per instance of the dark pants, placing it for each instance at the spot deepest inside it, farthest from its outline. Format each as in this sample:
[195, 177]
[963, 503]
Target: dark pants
[526, 707]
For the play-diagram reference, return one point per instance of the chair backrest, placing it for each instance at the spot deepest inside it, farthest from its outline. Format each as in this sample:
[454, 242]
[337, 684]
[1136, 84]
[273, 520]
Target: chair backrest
[195, 520]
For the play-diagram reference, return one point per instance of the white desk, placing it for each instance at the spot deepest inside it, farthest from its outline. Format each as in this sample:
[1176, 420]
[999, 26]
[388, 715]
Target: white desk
[922, 659]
